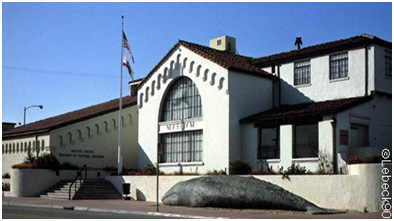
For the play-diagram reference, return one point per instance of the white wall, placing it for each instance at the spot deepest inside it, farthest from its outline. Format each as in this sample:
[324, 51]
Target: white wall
[215, 107]
[383, 82]
[33, 182]
[100, 149]
[15, 150]
[321, 87]
[356, 191]
[377, 114]
[248, 95]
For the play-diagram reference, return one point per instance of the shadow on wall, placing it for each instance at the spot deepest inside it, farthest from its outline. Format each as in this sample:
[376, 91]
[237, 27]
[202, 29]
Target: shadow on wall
[291, 95]
[143, 158]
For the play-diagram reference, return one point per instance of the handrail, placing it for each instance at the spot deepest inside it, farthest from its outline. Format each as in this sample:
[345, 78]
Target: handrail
[79, 174]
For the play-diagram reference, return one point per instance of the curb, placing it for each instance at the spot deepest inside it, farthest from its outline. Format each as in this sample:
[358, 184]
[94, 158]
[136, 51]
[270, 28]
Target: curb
[77, 208]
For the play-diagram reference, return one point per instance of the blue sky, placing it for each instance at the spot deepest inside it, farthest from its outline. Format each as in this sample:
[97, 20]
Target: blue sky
[66, 56]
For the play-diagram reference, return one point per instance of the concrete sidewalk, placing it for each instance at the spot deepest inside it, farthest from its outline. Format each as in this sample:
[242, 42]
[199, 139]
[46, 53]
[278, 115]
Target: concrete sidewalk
[140, 207]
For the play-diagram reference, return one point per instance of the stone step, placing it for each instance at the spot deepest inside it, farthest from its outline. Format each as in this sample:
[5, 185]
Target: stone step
[87, 189]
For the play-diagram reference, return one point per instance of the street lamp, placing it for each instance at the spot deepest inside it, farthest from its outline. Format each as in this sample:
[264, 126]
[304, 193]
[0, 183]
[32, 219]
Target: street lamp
[24, 112]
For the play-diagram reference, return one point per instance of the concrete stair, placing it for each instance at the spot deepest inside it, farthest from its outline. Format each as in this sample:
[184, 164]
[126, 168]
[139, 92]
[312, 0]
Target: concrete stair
[86, 189]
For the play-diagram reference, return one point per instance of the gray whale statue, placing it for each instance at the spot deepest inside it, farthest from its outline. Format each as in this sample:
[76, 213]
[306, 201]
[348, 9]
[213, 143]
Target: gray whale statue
[237, 192]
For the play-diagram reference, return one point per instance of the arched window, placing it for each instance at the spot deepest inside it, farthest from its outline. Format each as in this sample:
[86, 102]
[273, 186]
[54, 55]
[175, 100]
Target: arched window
[88, 132]
[182, 101]
[42, 145]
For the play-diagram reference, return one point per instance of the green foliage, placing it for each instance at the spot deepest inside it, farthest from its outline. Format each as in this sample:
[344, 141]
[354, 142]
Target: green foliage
[47, 161]
[68, 166]
[30, 158]
[295, 169]
[6, 187]
[325, 165]
[240, 167]
[150, 169]
[215, 172]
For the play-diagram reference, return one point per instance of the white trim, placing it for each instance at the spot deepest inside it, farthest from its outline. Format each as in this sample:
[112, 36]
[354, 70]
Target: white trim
[339, 79]
[303, 85]
[311, 159]
[181, 164]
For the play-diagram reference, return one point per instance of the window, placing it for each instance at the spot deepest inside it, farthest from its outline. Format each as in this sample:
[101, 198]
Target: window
[302, 72]
[219, 42]
[387, 59]
[359, 135]
[338, 66]
[305, 141]
[269, 143]
[182, 101]
[182, 146]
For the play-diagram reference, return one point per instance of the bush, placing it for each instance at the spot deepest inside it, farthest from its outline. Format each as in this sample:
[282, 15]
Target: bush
[47, 161]
[353, 159]
[68, 166]
[216, 172]
[239, 167]
[295, 169]
[150, 169]
[268, 171]
[6, 187]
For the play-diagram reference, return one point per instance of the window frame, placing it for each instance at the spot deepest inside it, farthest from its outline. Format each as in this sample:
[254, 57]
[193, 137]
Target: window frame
[338, 62]
[271, 148]
[296, 146]
[305, 71]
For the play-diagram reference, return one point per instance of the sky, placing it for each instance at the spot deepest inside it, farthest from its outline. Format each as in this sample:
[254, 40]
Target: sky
[66, 56]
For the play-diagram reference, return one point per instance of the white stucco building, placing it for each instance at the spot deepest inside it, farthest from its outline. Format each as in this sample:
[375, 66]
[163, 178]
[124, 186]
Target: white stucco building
[86, 136]
[201, 108]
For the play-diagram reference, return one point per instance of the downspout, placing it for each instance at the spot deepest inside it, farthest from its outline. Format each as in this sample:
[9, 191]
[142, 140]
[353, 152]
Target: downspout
[366, 70]
[334, 144]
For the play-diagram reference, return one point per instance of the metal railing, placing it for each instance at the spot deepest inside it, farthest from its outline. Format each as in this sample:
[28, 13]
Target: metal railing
[79, 175]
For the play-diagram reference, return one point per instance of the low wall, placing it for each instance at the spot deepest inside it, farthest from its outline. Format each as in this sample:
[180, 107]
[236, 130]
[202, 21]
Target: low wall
[33, 182]
[360, 190]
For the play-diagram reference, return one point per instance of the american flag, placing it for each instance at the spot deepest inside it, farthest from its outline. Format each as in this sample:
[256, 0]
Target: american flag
[127, 46]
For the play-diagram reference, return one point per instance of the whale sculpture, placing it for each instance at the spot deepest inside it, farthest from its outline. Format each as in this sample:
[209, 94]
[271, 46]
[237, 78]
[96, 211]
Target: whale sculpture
[237, 192]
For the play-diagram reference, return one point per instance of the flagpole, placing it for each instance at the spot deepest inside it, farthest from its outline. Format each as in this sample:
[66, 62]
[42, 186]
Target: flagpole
[120, 163]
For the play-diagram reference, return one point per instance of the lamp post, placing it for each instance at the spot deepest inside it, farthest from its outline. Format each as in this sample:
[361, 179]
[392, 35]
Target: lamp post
[25, 109]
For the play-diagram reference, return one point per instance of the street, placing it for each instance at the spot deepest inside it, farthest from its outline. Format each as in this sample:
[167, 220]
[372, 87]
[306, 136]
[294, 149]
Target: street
[19, 212]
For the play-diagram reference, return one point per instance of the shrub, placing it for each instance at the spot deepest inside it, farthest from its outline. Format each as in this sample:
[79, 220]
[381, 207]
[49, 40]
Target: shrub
[150, 169]
[6, 176]
[6, 187]
[216, 172]
[240, 167]
[325, 165]
[295, 169]
[30, 158]
[68, 166]
[268, 171]
[353, 159]
[47, 161]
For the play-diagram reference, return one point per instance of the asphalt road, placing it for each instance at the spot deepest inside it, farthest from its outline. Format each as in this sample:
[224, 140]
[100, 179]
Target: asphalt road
[19, 212]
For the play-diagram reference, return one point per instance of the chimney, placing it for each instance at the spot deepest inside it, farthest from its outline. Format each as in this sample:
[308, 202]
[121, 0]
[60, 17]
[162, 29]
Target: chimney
[224, 43]
[298, 42]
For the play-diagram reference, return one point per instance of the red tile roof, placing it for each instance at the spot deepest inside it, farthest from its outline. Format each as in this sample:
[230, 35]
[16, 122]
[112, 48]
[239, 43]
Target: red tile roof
[320, 49]
[70, 118]
[225, 59]
[305, 110]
